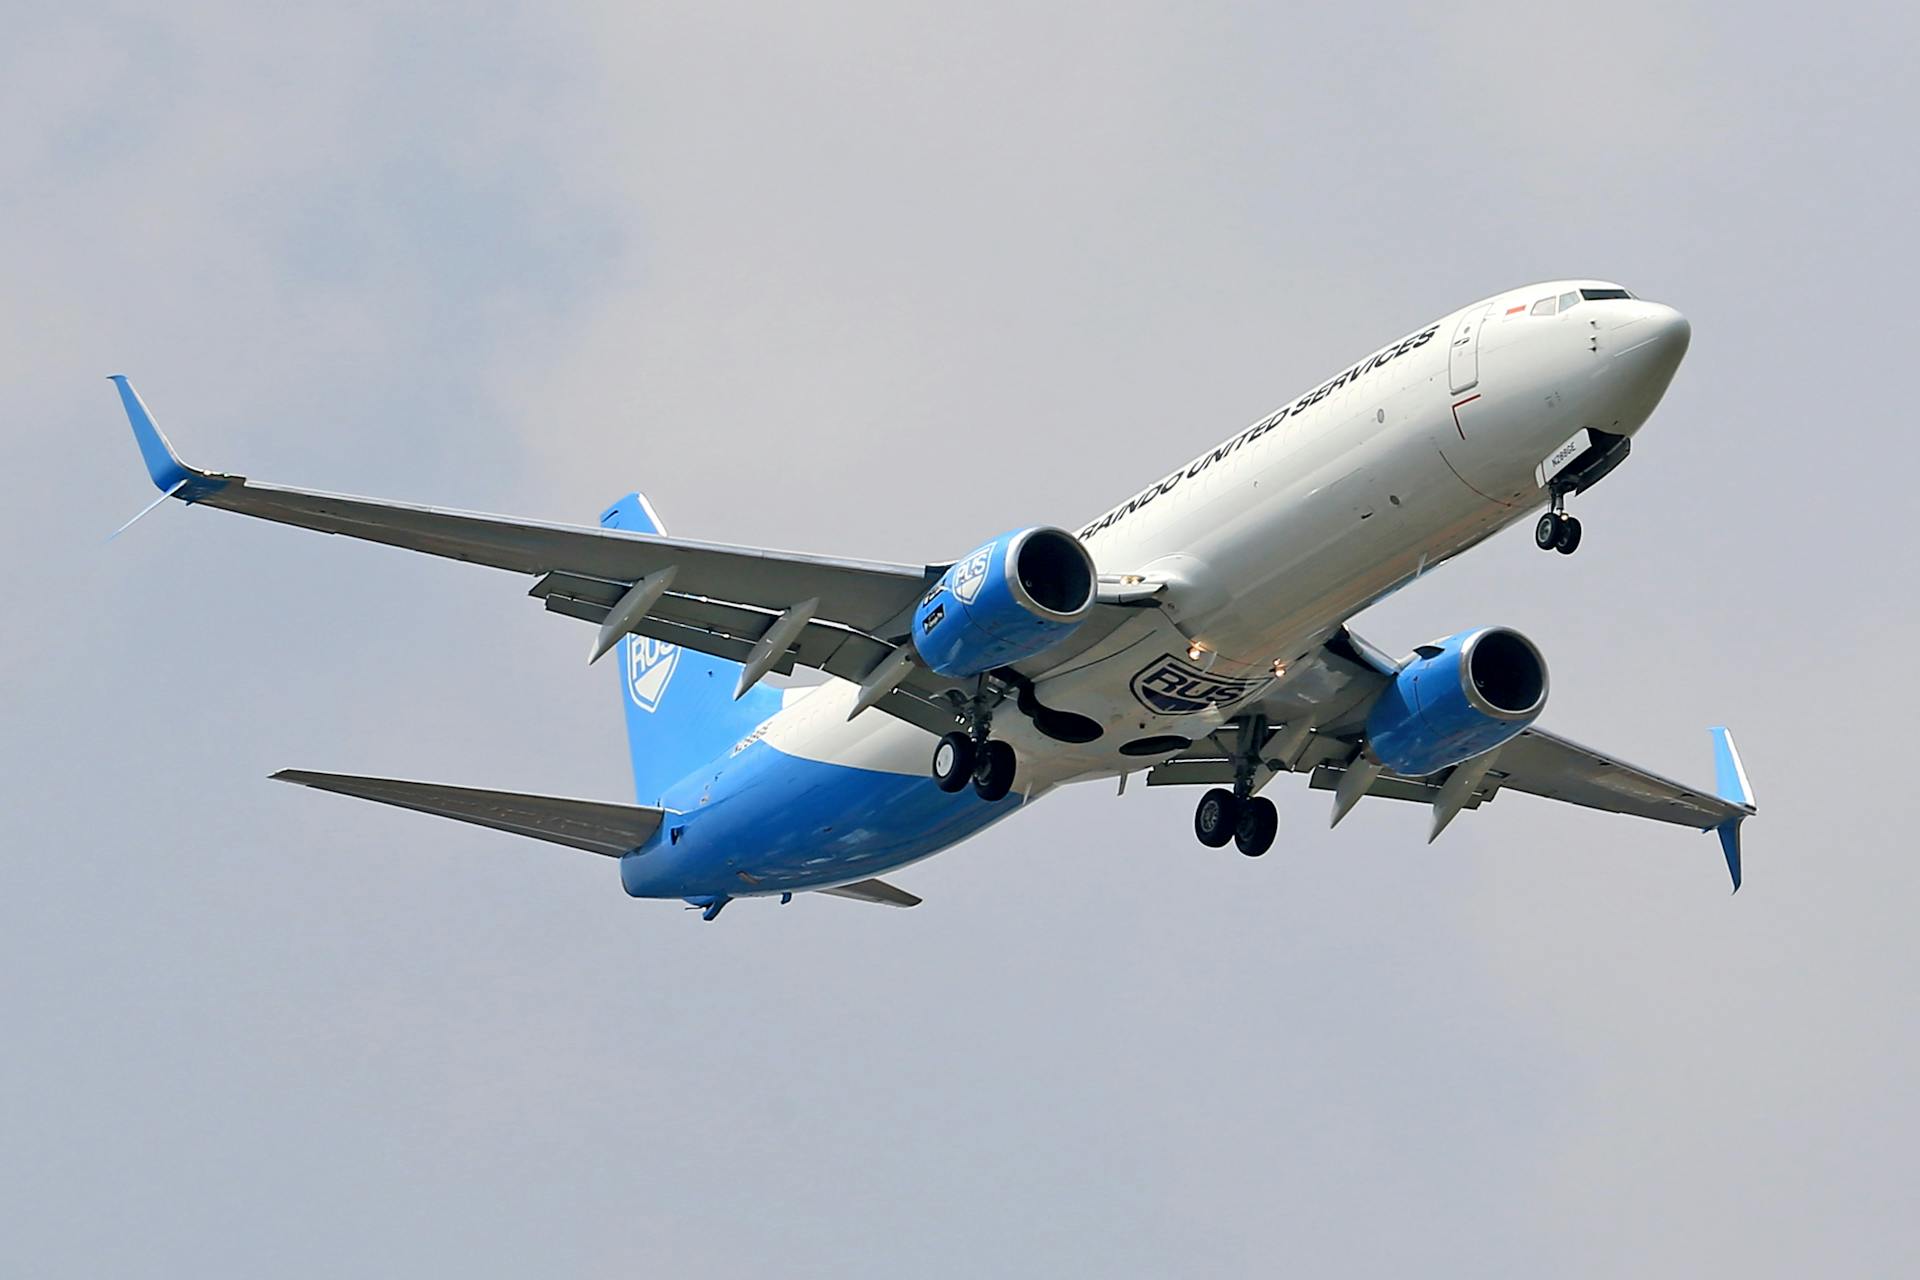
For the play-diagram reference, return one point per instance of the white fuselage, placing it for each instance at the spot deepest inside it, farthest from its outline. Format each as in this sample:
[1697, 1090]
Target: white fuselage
[1269, 542]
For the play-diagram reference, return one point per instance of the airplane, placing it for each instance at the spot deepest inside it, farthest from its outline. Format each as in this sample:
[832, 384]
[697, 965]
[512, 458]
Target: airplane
[1196, 632]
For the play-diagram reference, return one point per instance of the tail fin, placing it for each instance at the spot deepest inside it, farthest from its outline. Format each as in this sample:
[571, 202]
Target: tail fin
[681, 713]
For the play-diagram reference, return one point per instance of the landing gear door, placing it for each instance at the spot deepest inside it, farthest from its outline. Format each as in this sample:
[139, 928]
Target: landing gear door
[1463, 354]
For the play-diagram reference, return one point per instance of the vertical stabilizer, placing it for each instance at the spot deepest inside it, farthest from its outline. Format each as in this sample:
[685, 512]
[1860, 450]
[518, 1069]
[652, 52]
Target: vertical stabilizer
[679, 704]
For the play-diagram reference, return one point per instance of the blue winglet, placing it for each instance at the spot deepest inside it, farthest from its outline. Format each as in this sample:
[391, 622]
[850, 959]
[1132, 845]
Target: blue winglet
[1730, 778]
[163, 464]
[1729, 833]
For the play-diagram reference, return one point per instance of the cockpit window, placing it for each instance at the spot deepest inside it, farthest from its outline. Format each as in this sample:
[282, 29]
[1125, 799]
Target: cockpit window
[1604, 295]
[1568, 300]
[1544, 307]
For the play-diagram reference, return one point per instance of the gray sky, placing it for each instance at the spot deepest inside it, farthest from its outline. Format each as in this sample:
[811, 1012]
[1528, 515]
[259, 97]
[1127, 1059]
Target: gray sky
[880, 281]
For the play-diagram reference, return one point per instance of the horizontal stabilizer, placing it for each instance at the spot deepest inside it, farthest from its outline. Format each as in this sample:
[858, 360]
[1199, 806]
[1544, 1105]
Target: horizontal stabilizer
[609, 829]
[873, 891]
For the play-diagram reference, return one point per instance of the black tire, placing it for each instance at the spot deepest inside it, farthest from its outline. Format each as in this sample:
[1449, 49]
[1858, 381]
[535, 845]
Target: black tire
[953, 759]
[993, 771]
[1214, 818]
[1568, 540]
[1259, 823]
[1546, 532]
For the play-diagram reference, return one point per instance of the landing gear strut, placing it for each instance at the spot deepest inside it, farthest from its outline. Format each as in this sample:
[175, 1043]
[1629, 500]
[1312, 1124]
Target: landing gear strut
[1556, 530]
[1249, 821]
[972, 756]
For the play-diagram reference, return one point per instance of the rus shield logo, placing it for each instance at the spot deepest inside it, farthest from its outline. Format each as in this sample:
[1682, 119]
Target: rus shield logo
[650, 665]
[1172, 686]
[970, 574]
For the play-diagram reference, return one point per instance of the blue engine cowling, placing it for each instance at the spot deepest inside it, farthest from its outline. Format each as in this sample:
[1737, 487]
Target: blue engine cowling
[1015, 597]
[1457, 698]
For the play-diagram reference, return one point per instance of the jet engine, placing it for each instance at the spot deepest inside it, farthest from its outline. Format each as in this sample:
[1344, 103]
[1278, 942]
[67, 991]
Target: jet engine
[1458, 698]
[1011, 599]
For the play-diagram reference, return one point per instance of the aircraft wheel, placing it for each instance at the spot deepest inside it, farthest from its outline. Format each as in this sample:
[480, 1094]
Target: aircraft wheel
[993, 771]
[1214, 818]
[1546, 532]
[1567, 540]
[953, 762]
[1259, 823]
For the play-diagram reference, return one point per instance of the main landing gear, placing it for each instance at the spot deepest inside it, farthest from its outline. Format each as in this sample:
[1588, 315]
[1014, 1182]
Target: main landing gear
[1556, 530]
[988, 765]
[963, 757]
[1249, 821]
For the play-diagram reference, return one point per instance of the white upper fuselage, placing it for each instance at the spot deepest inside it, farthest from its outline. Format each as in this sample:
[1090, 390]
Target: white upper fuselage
[1269, 542]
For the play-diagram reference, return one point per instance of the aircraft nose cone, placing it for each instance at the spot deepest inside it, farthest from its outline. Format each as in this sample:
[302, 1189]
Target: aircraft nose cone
[1651, 341]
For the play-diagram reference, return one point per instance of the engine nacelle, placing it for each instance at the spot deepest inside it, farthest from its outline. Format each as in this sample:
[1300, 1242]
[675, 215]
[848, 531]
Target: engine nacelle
[1462, 696]
[1015, 597]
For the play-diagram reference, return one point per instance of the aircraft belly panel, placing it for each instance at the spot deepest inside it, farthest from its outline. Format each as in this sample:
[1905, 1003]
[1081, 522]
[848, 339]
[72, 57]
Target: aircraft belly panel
[769, 822]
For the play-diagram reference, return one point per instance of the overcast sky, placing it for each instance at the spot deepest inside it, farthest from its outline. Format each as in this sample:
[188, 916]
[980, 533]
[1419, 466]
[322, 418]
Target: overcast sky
[880, 281]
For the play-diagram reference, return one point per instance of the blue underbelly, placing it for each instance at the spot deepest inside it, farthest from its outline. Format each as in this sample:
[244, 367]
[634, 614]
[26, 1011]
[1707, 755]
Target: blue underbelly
[764, 821]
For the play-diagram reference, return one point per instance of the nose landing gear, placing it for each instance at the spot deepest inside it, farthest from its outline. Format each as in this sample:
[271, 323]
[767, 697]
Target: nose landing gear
[1556, 530]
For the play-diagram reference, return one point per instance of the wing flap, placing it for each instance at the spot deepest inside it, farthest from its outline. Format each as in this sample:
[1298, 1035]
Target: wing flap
[1390, 786]
[598, 827]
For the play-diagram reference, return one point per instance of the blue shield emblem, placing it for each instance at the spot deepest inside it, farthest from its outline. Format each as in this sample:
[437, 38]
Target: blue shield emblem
[970, 574]
[650, 665]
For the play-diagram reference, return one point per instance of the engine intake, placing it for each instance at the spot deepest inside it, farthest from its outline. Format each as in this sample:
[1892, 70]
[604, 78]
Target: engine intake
[1463, 696]
[1011, 599]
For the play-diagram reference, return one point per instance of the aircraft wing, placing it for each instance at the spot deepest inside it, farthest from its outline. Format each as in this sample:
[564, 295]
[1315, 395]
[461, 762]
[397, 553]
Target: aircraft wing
[844, 617]
[1547, 765]
[1312, 721]
[597, 827]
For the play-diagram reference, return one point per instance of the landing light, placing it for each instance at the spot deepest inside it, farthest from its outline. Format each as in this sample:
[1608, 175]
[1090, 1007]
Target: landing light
[1195, 653]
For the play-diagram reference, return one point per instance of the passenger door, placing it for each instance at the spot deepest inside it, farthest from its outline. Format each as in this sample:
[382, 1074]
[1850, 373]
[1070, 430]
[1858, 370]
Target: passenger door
[1463, 356]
